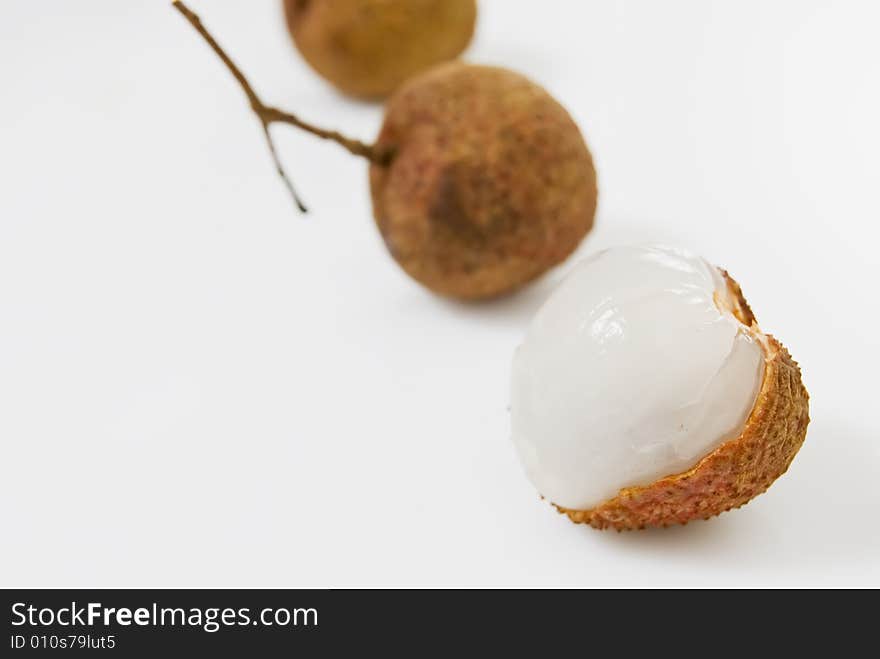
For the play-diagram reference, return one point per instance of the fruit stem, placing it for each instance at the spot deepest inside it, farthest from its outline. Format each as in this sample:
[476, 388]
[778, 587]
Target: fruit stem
[269, 115]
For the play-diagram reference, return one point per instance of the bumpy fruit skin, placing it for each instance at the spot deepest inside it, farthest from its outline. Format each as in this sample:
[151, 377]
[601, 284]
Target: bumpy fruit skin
[367, 48]
[738, 470]
[490, 182]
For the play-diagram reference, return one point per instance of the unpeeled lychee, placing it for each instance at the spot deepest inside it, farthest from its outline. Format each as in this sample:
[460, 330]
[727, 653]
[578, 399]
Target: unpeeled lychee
[489, 181]
[367, 48]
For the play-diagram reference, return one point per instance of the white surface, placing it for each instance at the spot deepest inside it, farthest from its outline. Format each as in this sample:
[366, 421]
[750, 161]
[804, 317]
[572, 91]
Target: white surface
[200, 387]
[634, 369]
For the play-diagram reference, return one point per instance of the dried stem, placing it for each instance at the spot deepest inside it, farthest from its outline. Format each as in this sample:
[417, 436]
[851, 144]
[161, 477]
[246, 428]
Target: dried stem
[269, 115]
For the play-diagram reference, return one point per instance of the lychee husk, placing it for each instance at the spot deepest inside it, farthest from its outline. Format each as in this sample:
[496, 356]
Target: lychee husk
[490, 183]
[735, 472]
[367, 48]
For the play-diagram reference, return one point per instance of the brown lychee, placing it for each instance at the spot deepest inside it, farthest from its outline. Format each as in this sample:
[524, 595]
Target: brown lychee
[490, 182]
[367, 48]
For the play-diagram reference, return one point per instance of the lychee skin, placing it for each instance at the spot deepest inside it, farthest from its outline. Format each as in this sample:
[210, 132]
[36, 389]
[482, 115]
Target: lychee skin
[367, 48]
[490, 182]
[735, 472]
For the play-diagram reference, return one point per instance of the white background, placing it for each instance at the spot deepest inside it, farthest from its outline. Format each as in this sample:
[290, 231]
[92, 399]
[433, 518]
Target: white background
[200, 387]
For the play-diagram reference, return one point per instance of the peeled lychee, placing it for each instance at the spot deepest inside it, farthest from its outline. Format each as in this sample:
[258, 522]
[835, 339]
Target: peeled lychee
[488, 183]
[645, 394]
[367, 48]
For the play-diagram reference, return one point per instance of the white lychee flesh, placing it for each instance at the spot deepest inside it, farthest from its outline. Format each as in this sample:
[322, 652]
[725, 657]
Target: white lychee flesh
[634, 369]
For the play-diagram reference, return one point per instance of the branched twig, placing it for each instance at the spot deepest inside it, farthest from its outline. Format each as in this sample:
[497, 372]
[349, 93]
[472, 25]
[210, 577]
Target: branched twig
[269, 115]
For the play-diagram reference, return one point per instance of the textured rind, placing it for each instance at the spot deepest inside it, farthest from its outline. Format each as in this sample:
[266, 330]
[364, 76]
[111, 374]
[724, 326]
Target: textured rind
[367, 48]
[735, 472]
[491, 182]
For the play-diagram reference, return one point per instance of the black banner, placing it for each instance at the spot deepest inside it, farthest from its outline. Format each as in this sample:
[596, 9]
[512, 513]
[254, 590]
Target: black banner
[127, 623]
